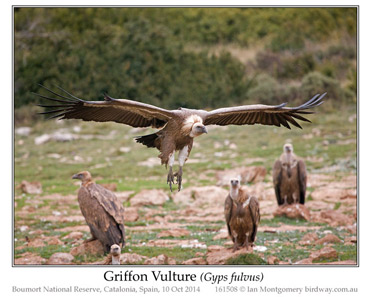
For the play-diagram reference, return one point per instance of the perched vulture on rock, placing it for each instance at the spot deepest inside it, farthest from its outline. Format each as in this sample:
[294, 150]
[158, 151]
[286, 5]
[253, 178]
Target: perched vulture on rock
[242, 216]
[289, 177]
[103, 212]
[179, 127]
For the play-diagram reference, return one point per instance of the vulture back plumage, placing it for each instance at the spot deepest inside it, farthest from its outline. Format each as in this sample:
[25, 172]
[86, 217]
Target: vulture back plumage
[289, 178]
[103, 213]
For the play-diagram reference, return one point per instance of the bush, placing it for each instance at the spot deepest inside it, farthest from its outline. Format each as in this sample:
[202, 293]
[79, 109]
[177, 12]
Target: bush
[315, 82]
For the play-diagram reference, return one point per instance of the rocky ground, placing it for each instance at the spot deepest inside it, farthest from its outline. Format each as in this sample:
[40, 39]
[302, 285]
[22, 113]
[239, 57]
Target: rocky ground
[186, 227]
[192, 220]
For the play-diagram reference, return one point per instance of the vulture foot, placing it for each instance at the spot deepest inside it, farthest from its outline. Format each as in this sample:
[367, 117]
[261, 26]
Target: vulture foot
[170, 178]
[179, 175]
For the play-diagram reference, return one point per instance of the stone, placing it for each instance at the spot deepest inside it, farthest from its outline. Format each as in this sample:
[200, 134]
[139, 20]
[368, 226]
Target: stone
[149, 197]
[329, 238]
[131, 214]
[324, 253]
[335, 218]
[216, 257]
[31, 187]
[304, 261]
[272, 260]
[23, 131]
[223, 234]
[173, 233]
[160, 260]
[29, 258]
[75, 235]
[201, 196]
[92, 247]
[42, 139]
[293, 211]
[111, 186]
[195, 261]
[60, 259]
[131, 258]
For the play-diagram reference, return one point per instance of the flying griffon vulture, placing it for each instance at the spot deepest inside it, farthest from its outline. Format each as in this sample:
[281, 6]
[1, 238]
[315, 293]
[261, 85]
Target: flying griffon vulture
[242, 216]
[179, 127]
[289, 177]
[103, 212]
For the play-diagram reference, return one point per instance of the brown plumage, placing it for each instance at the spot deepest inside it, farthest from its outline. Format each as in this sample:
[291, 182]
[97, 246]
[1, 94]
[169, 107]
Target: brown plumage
[103, 212]
[180, 126]
[289, 177]
[242, 216]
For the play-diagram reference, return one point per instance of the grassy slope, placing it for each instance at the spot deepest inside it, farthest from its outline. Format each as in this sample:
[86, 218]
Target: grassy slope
[335, 144]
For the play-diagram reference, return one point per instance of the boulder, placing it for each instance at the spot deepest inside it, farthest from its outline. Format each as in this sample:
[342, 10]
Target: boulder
[29, 258]
[92, 247]
[31, 187]
[195, 261]
[329, 238]
[131, 258]
[60, 259]
[272, 260]
[201, 196]
[75, 235]
[335, 218]
[293, 211]
[324, 253]
[131, 214]
[308, 239]
[160, 260]
[149, 197]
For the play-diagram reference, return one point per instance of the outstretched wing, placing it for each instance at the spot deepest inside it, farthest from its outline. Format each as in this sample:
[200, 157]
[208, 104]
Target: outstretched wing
[132, 113]
[255, 216]
[262, 114]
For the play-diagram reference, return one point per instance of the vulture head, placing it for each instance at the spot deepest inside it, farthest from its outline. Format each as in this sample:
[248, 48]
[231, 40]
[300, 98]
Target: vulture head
[235, 186]
[193, 126]
[84, 176]
[115, 250]
[288, 148]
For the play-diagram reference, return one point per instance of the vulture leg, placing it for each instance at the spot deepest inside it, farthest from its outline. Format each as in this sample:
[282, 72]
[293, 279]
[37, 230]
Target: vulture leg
[183, 155]
[170, 176]
[179, 175]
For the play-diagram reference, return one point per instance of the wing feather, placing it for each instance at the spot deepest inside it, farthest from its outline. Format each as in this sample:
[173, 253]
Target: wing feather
[133, 113]
[262, 114]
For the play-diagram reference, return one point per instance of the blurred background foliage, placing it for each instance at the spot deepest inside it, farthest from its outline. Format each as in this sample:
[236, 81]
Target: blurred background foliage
[191, 57]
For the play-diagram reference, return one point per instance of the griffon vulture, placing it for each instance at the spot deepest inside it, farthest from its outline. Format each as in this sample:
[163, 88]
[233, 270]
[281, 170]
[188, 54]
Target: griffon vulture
[242, 216]
[179, 127]
[103, 212]
[289, 177]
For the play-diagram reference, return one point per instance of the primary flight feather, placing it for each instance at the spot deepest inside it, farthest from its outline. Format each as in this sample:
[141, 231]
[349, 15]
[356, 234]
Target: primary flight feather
[179, 127]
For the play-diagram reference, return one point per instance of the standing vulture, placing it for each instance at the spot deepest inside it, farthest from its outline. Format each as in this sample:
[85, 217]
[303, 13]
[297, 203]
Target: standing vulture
[289, 177]
[242, 216]
[179, 127]
[103, 212]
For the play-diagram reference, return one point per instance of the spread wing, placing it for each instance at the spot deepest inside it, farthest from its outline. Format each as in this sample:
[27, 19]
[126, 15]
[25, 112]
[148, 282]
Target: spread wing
[302, 174]
[262, 114]
[228, 212]
[110, 203]
[277, 179]
[132, 113]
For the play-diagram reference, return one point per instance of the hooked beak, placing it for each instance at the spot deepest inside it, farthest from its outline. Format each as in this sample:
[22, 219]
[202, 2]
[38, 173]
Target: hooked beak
[204, 130]
[76, 176]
